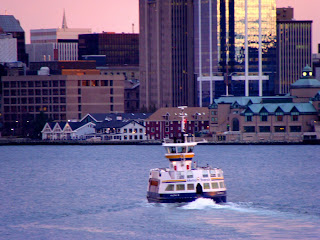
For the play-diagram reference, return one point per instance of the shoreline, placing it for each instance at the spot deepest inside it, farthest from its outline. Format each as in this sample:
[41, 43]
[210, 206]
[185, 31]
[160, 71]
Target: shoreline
[18, 141]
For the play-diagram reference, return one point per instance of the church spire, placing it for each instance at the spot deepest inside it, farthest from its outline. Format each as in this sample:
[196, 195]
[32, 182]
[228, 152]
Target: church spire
[64, 20]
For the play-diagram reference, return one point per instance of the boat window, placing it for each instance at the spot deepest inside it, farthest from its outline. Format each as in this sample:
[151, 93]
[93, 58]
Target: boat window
[154, 183]
[221, 184]
[171, 149]
[190, 186]
[180, 187]
[190, 149]
[215, 185]
[205, 173]
[170, 187]
[206, 186]
[180, 175]
[189, 174]
[181, 149]
[212, 173]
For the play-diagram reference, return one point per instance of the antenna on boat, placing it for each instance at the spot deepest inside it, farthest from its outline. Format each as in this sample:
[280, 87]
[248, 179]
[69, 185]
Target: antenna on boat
[183, 123]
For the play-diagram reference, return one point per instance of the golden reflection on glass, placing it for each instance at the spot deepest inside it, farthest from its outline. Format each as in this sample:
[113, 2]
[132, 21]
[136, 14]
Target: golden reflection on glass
[233, 35]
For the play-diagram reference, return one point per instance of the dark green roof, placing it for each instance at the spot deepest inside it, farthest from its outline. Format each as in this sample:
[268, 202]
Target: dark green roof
[306, 83]
[285, 107]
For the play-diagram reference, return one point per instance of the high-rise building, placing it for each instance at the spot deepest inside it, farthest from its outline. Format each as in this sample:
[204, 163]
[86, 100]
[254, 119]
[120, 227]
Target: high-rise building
[9, 24]
[8, 48]
[294, 50]
[166, 53]
[238, 45]
[285, 14]
[118, 48]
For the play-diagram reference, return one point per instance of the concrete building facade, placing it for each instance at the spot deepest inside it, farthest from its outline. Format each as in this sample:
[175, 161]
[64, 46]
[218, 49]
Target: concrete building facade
[294, 51]
[60, 97]
[166, 53]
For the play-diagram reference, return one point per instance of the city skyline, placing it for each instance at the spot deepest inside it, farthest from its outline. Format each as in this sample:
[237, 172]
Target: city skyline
[111, 16]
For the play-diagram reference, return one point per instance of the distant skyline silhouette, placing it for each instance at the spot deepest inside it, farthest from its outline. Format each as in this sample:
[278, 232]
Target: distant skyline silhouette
[116, 15]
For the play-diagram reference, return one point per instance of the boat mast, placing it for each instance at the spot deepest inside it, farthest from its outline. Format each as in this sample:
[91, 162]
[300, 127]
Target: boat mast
[183, 124]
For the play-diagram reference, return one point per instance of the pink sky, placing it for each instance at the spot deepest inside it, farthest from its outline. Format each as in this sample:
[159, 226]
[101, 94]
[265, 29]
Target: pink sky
[116, 15]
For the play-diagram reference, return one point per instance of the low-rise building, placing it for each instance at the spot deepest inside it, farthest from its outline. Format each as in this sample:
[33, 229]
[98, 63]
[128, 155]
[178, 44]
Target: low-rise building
[291, 118]
[166, 122]
[67, 130]
[121, 130]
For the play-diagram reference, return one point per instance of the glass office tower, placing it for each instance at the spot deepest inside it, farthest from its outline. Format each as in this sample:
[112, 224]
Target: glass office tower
[231, 23]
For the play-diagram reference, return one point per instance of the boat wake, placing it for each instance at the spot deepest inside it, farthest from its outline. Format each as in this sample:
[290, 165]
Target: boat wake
[241, 207]
[202, 203]
[206, 203]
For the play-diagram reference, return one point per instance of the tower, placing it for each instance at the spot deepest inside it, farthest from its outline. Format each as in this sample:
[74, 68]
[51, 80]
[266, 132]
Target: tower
[294, 49]
[238, 28]
[64, 20]
[166, 53]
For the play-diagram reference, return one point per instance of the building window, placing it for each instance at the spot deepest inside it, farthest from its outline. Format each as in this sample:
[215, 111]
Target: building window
[167, 129]
[264, 128]
[279, 118]
[295, 128]
[249, 129]
[263, 117]
[294, 118]
[248, 118]
[125, 130]
[280, 129]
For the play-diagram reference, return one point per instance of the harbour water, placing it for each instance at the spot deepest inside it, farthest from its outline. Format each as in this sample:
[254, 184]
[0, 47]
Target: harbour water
[99, 192]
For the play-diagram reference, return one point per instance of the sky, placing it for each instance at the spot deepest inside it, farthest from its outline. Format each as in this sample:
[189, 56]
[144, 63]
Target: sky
[116, 15]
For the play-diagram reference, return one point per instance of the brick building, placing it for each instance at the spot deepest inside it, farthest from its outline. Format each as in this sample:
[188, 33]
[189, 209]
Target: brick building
[166, 122]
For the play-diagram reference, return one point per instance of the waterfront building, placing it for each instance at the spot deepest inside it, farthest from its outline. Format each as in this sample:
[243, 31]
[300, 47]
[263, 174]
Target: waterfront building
[67, 130]
[166, 122]
[126, 117]
[166, 54]
[121, 130]
[59, 97]
[118, 48]
[294, 49]
[269, 119]
[99, 127]
[10, 25]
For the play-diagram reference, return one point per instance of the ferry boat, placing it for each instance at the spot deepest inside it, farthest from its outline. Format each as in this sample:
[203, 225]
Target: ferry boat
[183, 180]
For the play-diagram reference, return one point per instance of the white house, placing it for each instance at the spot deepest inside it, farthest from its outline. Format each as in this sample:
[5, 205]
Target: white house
[121, 130]
[67, 131]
